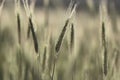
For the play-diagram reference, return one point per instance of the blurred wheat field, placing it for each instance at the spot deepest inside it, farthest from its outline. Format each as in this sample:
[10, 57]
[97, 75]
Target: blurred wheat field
[85, 61]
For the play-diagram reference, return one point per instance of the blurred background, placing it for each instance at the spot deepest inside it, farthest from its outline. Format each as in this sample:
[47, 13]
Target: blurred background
[82, 4]
[20, 62]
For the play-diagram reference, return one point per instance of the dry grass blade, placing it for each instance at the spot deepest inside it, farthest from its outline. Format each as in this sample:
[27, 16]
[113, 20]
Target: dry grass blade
[34, 36]
[105, 49]
[44, 58]
[19, 28]
[58, 45]
[72, 36]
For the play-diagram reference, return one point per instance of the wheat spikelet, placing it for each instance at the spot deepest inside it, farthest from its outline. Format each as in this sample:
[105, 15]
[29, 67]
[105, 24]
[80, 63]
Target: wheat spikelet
[34, 36]
[105, 49]
[54, 66]
[58, 45]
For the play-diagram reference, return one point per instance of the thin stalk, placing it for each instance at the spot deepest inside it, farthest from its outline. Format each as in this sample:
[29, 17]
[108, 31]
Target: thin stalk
[44, 58]
[54, 66]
